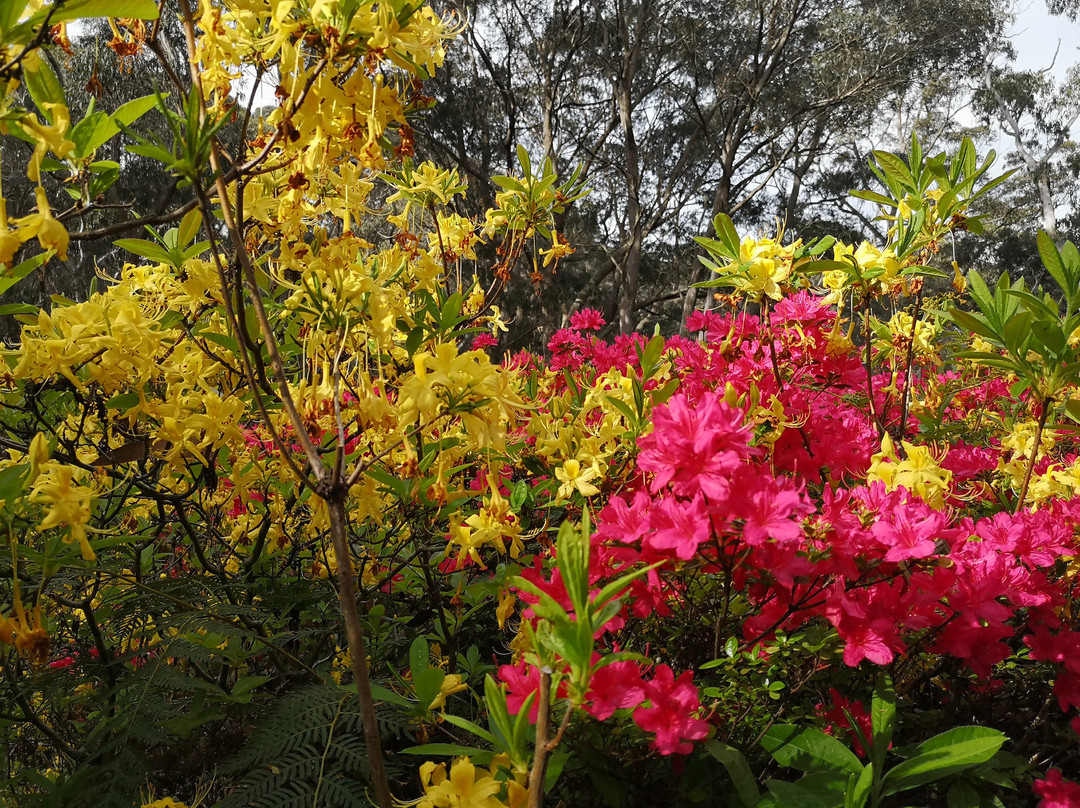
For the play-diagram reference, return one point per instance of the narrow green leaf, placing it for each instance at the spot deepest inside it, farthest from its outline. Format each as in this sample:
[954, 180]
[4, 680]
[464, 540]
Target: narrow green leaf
[10, 277]
[726, 232]
[145, 249]
[77, 9]
[479, 756]
[465, 724]
[882, 718]
[872, 196]
[738, 770]
[1051, 259]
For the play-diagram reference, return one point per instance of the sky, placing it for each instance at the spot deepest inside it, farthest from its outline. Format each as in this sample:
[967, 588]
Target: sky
[1036, 35]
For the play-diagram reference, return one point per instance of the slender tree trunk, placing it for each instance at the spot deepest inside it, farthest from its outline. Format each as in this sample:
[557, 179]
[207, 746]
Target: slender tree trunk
[357, 649]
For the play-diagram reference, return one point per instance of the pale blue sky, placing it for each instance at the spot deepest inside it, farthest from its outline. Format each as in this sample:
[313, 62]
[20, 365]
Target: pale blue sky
[1036, 35]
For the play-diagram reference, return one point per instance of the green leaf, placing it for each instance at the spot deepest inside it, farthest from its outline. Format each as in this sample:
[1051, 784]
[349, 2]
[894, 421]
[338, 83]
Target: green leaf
[381, 693]
[1051, 259]
[1018, 333]
[85, 130]
[419, 660]
[822, 245]
[44, 87]
[519, 495]
[105, 127]
[189, 227]
[122, 402]
[145, 249]
[572, 560]
[465, 724]
[76, 9]
[10, 277]
[11, 481]
[728, 235]
[793, 795]
[809, 749]
[18, 308]
[948, 753]
[980, 292]
[479, 756]
[738, 770]
[10, 13]
[895, 168]
[882, 718]
[859, 788]
[963, 795]
[1072, 407]
[871, 196]
[823, 265]
[498, 713]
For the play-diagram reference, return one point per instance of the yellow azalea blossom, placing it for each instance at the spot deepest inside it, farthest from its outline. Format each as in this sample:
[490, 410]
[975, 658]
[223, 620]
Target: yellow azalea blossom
[49, 232]
[10, 241]
[763, 265]
[883, 264]
[900, 327]
[68, 502]
[50, 137]
[560, 248]
[451, 684]
[505, 610]
[164, 802]
[464, 787]
[495, 524]
[919, 472]
[574, 477]
[454, 239]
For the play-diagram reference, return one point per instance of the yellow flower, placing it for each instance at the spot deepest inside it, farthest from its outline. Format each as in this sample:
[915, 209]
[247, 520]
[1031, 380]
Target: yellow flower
[450, 684]
[38, 454]
[69, 504]
[574, 477]
[9, 239]
[560, 248]
[463, 788]
[50, 233]
[900, 327]
[919, 472]
[505, 609]
[50, 137]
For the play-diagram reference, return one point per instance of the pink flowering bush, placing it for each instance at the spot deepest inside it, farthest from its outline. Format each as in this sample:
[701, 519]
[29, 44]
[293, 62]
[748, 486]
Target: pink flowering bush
[770, 512]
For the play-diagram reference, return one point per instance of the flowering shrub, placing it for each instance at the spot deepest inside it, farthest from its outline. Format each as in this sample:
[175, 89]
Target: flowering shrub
[266, 493]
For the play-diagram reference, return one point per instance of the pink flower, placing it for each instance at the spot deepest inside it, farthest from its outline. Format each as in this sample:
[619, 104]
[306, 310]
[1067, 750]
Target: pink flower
[907, 534]
[849, 716]
[481, 341]
[614, 687]
[670, 716]
[866, 621]
[679, 526]
[521, 680]
[695, 448]
[587, 320]
[1056, 792]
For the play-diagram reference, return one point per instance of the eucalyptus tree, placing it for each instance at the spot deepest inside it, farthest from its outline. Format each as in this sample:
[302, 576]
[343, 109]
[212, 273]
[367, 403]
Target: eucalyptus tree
[679, 110]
